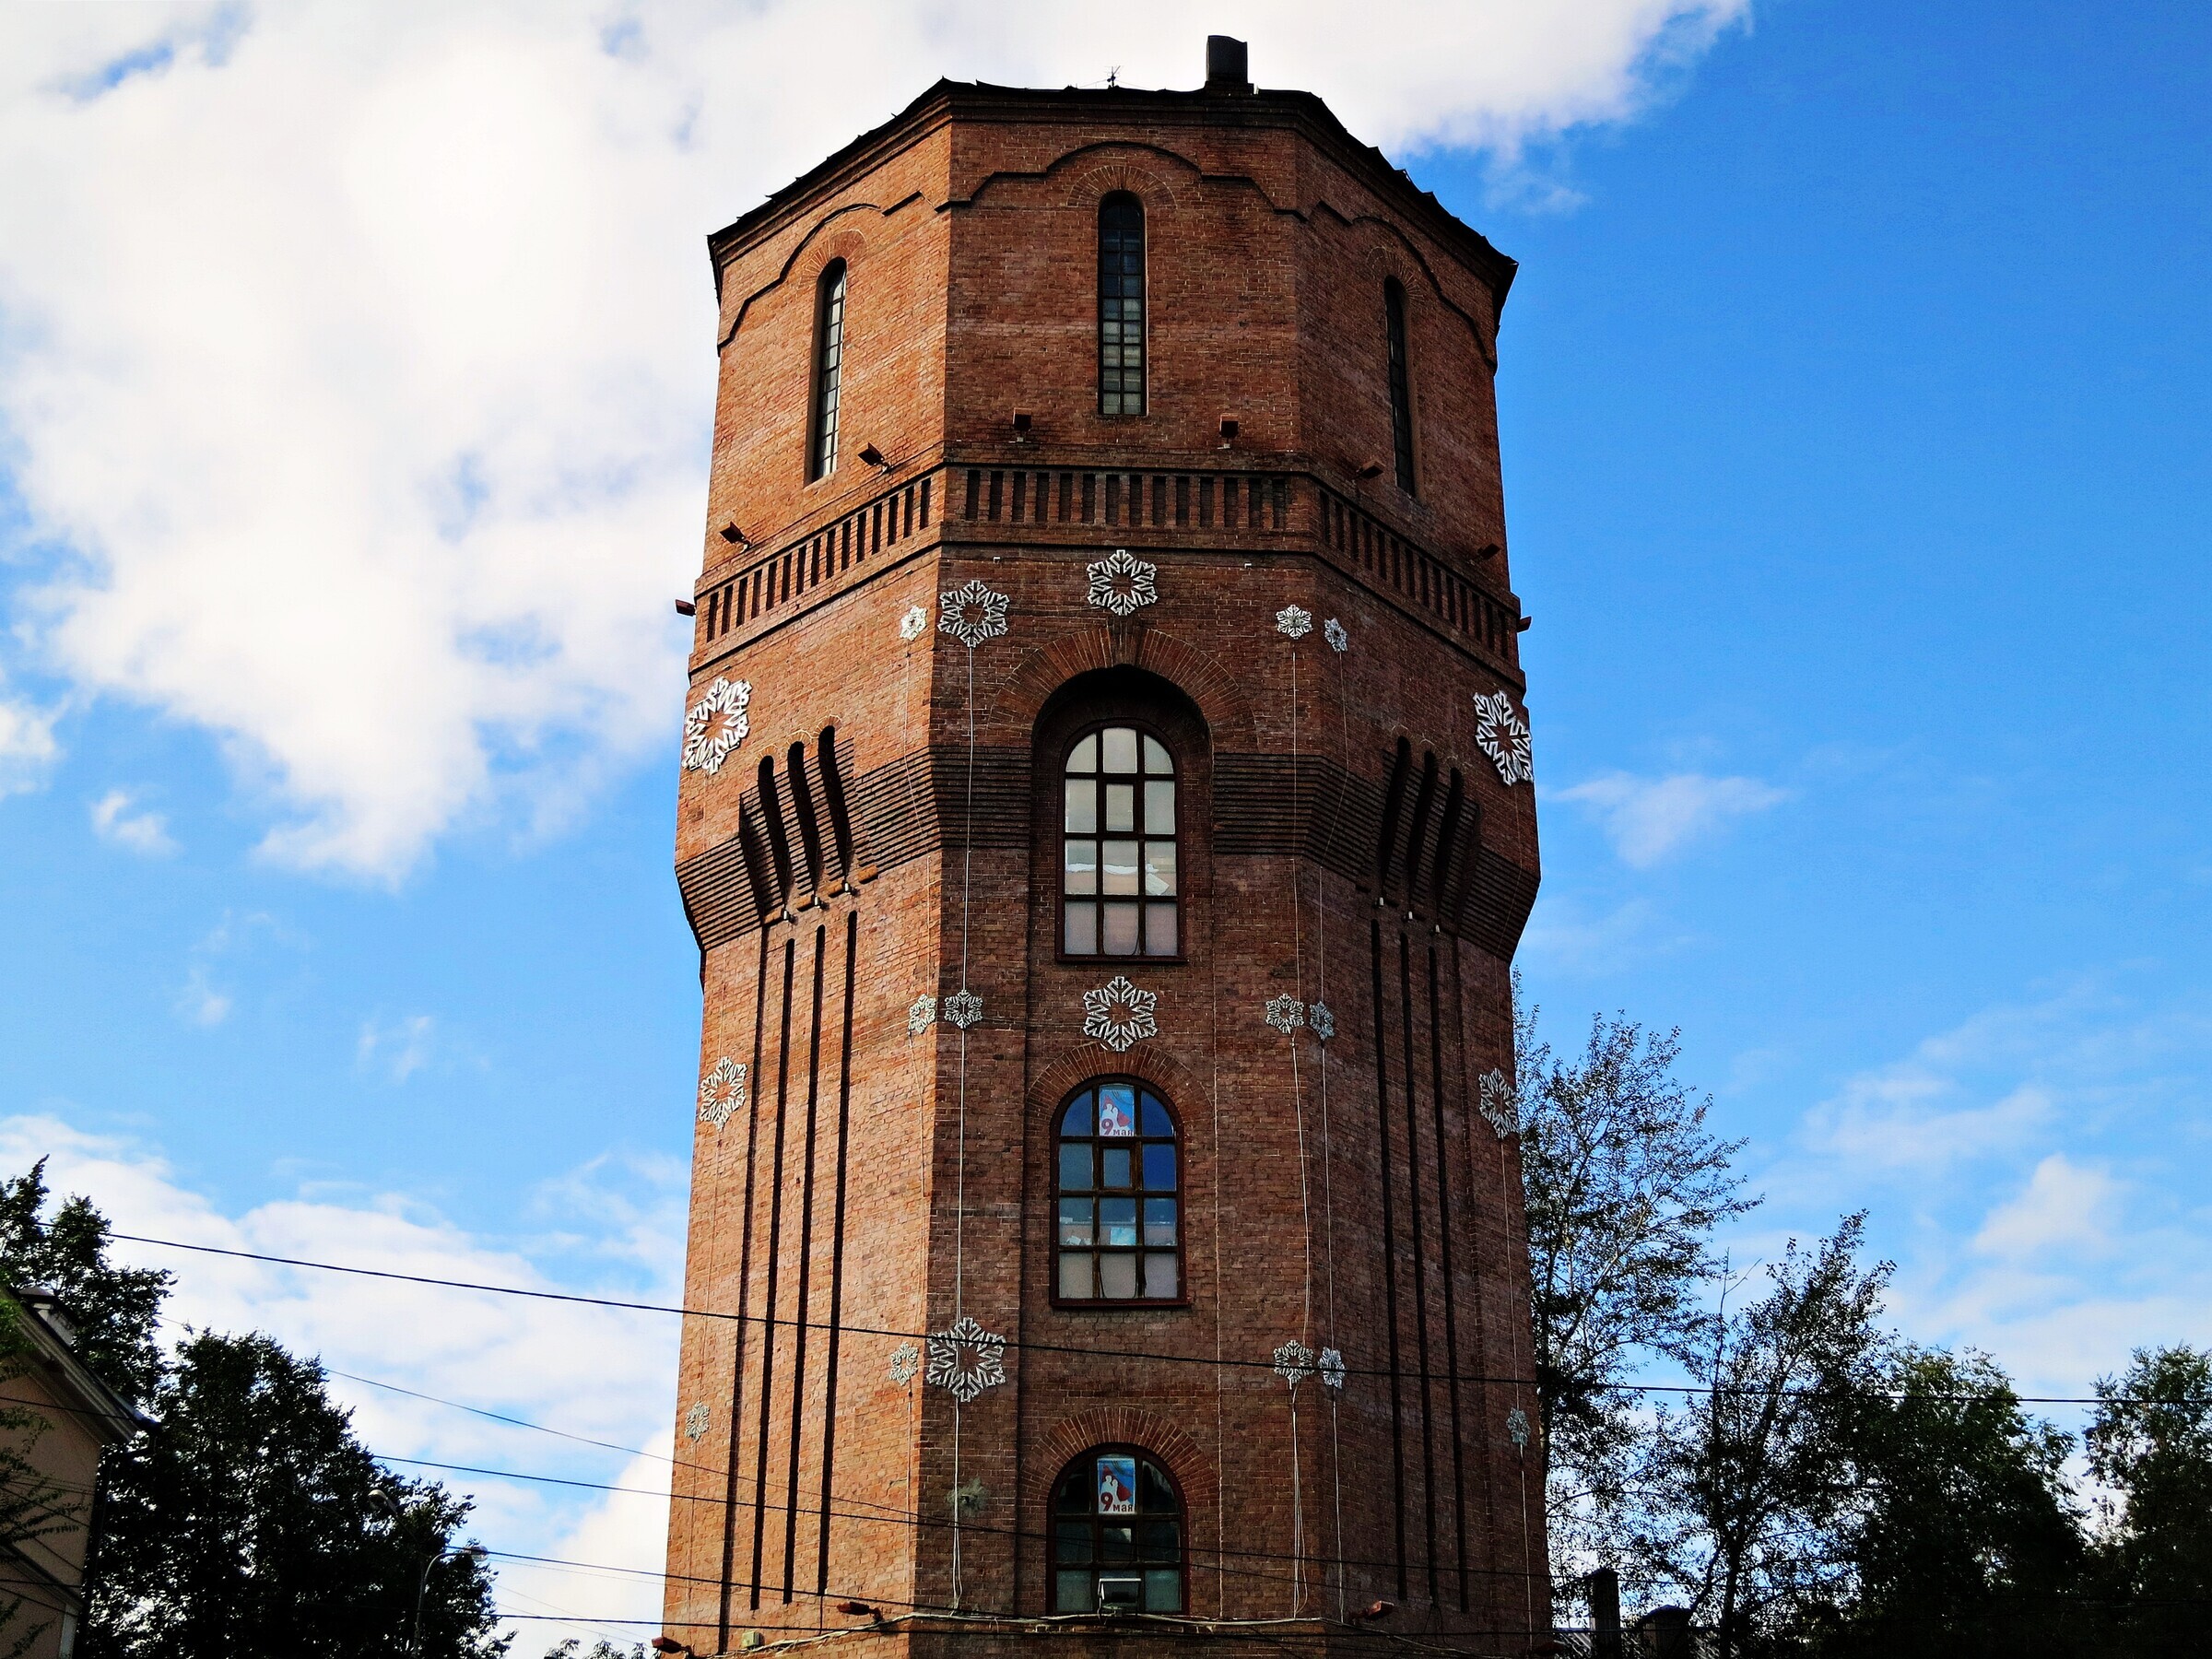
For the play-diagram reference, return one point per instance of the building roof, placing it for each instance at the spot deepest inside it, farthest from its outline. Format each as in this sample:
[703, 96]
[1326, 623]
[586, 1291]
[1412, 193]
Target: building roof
[101, 1410]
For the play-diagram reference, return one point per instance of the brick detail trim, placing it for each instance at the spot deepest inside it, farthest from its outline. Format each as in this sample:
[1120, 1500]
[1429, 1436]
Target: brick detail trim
[1080, 1062]
[1060, 1442]
[1198, 674]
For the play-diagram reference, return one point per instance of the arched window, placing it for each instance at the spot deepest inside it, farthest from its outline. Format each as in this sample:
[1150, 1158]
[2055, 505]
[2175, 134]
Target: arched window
[828, 363]
[1118, 879]
[1117, 1535]
[1400, 383]
[1117, 1196]
[1121, 305]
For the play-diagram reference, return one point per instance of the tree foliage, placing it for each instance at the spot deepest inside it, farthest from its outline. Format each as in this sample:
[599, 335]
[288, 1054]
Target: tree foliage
[2150, 1448]
[115, 1310]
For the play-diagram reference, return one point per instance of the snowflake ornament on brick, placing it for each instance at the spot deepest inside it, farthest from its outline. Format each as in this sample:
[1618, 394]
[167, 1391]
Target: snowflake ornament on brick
[1123, 585]
[966, 1359]
[1516, 1428]
[972, 614]
[1332, 1371]
[1498, 1105]
[1294, 1362]
[1333, 631]
[963, 1009]
[1502, 734]
[1294, 620]
[722, 1092]
[1322, 1019]
[1286, 1014]
[906, 1363]
[913, 625]
[696, 1420]
[716, 724]
[1120, 1015]
[920, 1016]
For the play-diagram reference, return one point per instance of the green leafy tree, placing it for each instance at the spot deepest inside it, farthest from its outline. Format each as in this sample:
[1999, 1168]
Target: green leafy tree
[1625, 1186]
[255, 1524]
[2150, 1447]
[115, 1310]
[573, 1648]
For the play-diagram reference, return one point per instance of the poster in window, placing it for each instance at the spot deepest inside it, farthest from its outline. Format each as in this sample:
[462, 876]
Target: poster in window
[1117, 1485]
[1117, 1111]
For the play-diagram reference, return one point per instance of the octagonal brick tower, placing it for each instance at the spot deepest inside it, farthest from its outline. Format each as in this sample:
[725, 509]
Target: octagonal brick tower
[1106, 823]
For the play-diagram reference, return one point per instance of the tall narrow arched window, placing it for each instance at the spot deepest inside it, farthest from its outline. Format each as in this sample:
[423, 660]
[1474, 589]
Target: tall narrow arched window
[1118, 876]
[828, 364]
[1117, 1193]
[1117, 1535]
[1121, 305]
[1401, 382]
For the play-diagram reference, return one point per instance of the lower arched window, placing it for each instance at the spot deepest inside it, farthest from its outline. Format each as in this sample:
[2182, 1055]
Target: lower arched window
[1117, 1535]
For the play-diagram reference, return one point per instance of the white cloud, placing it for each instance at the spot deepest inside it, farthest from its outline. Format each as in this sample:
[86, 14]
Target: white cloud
[600, 1372]
[118, 819]
[400, 1049]
[200, 1001]
[27, 743]
[2064, 1205]
[383, 467]
[1648, 819]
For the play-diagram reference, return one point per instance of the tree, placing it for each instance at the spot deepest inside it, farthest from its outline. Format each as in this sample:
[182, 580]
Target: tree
[1751, 1478]
[255, 1524]
[1962, 1530]
[115, 1310]
[2150, 1447]
[572, 1648]
[1625, 1187]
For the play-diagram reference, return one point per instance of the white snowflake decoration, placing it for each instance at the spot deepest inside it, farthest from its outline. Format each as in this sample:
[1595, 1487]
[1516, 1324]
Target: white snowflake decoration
[1119, 1015]
[906, 1361]
[1516, 1427]
[972, 614]
[722, 1092]
[914, 624]
[1333, 631]
[716, 724]
[1498, 1103]
[1294, 620]
[1286, 1014]
[1322, 1019]
[963, 1009]
[696, 1420]
[1332, 1369]
[1123, 585]
[966, 1359]
[920, 1016]
[1294, 1362]
[1502, 734]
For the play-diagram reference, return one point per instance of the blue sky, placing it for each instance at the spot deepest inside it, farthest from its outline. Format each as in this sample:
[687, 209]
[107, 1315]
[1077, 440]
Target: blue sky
[1855, 412]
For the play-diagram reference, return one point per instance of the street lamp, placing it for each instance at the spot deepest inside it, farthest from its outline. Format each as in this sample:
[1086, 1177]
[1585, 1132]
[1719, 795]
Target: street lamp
[422, 1583]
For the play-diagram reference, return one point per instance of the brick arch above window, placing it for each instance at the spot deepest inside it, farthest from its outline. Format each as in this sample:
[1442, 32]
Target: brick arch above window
[841, 233]
[1063, 1439]
[1080, 1060]
[1197, 673]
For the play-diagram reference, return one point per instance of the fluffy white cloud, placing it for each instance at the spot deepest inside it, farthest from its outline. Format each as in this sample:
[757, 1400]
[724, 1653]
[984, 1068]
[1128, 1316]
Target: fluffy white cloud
[358, 360]
[2064, 1207]
[26, 744]
[1649, 818]
[599, 1372]
[118, 819]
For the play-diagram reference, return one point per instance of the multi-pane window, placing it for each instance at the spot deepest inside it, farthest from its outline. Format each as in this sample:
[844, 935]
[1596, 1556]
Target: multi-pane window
[1118, 882]
[1117, 1535]
[828, 363]
[1401, 385]
[1119, 1220]
[1121, 305]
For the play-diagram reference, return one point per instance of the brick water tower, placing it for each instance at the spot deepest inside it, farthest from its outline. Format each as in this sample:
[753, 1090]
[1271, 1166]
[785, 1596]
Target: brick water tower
[1106, 820]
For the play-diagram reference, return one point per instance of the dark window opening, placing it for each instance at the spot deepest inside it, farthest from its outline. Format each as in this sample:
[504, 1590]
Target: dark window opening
[1121, 305]
[1401, 384]
[828, 363]
[1116, 1186]
[1117, 1535]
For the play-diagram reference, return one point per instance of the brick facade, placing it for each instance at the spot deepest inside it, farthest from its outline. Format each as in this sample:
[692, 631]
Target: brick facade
[889, 830]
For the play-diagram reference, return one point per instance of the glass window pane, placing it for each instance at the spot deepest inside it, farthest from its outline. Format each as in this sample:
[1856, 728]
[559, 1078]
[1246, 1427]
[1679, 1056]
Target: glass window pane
[1074, 1275]
[1117, 1278]
[1159, 1272]
[1074, 1496]
[1159, 1541]
[1117, 1109]
[1120, 808]
[1074, 1594]
[1159, 1167]
[1118, 746]
[1075, 1223]
[1116, 1172]
[1081, 936]
[1072, 1540]
[1156, 756]
[1120, 866]
[1117, 1220]
[1083, 805]
[1159, 869]
[1163, 1590]
[1079, 866]
[1121, 931]
[1157, 1120]
[1154, 1495]
[1084, 757]
[1076, 1120]
[1160, 806]
[1075, 1168]
[1159, 1222]
[1159, 929]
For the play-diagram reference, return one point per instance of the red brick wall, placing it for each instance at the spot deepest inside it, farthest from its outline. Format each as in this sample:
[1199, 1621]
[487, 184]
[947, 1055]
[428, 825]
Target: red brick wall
[968, 229]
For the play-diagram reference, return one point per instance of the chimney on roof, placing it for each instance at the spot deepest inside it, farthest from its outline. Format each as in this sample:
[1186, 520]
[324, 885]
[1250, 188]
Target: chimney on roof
[1227, 66]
